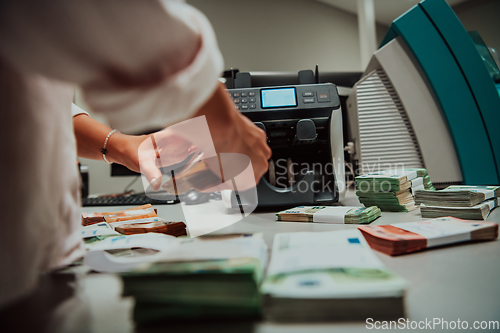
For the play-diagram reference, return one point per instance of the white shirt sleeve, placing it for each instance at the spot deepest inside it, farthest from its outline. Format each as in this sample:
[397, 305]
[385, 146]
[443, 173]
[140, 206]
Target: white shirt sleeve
[140, 63]
[76, 110]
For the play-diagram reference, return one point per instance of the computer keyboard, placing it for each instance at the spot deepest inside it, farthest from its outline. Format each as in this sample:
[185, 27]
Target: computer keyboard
[132, 200]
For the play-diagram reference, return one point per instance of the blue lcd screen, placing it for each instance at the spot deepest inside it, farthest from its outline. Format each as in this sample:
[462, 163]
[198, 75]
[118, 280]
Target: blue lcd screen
[276, 98]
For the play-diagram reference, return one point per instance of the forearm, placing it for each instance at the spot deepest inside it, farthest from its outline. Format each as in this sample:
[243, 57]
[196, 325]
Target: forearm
[90, 135]
[221, 116]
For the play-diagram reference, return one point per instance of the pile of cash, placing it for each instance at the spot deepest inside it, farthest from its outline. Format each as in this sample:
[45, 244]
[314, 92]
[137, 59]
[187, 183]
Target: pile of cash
[204, 278]
[391, 190]
[135, 213]
[466, 202]
[330, 214]
[210, 289]
[402, 238]
[421, 172]
[326, 276]
[162, 227]
[136, 220]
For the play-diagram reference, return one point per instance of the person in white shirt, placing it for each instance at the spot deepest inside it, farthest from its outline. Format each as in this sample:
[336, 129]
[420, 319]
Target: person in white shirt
[140, 63]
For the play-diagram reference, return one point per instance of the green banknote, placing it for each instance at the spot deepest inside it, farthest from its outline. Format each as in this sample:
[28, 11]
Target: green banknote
[457, 196]
[325, 276]
[230, 282]
[327, 214]
[428, 184]
[388, 205]
[197, 288]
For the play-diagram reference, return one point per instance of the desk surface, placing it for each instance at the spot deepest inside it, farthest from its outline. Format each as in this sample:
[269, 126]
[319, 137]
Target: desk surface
[450, 283]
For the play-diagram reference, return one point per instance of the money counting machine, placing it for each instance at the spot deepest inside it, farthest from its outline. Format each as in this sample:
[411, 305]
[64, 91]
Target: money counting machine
[303, 124]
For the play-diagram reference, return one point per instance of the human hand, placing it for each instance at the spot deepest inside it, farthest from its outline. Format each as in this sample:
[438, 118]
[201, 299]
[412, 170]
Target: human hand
[234, 133]
[162, 149]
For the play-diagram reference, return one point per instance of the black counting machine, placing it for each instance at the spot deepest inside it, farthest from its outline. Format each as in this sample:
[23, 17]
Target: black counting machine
[303, 124]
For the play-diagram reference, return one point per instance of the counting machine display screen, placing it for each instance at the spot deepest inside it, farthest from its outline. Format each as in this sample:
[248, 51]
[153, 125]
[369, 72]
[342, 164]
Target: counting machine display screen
[275, 98]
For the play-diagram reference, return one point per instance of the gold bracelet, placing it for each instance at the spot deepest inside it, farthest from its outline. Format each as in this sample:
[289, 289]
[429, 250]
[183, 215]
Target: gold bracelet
[104, 151]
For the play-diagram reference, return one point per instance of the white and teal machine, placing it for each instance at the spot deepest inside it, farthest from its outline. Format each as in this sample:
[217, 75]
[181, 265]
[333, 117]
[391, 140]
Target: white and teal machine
[427, 99]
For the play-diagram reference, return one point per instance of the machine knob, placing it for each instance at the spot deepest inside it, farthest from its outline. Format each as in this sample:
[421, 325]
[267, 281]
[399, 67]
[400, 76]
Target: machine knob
[306, 130]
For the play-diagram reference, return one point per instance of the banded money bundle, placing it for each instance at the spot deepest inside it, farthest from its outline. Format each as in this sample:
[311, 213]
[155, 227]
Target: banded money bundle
[135, 213]
[330, 214]
[327, 276]
[467, 202]
[390, 190]
[421, 172]
[210, 279]
[136, 220]
[402, 238]
[162, 227]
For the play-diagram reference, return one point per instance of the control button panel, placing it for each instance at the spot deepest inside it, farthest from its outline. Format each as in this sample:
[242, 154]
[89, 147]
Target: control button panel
[244, 100]
[295, 97]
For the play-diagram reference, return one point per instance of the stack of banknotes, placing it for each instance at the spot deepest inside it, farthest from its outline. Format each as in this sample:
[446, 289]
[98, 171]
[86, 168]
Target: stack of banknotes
[402, 238]
[466, 202]
[421, 172]
[391, 190]
[195, 290]
[135, 213]
[205, 286]
[327, 276]
[330, 214]
[214, 278]
[136, 220]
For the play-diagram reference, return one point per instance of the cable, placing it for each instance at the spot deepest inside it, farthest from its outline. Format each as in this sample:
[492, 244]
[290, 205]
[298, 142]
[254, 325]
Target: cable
[131, 183]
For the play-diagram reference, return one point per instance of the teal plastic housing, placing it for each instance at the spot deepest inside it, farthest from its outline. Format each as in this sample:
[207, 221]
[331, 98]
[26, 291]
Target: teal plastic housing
[462, 85]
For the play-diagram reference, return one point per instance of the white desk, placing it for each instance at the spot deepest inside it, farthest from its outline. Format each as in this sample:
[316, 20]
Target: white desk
[455, 282]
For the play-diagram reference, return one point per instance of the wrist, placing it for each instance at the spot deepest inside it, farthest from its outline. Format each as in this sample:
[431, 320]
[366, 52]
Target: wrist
[116, 148]
[105, 147]
[123, 149]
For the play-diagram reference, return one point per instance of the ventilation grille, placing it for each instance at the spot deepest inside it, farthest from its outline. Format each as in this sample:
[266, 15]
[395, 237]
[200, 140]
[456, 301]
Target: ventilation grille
[385, 133]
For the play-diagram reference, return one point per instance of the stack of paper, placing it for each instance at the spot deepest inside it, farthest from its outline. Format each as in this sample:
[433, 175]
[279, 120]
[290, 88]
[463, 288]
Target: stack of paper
[390, 190]
[209, 278]
[327, 276]
[330, 214]
[410, 237]
[467, 202]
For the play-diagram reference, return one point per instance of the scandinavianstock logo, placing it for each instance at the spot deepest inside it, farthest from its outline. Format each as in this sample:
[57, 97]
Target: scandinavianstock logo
[181, 161]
